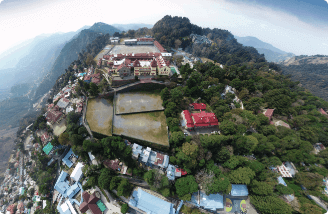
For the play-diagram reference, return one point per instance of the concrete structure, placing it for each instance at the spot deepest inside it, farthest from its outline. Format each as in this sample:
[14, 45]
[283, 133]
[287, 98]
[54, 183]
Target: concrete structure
[239, 190]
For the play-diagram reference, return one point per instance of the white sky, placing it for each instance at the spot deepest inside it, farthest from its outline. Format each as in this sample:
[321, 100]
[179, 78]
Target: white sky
[24, 21]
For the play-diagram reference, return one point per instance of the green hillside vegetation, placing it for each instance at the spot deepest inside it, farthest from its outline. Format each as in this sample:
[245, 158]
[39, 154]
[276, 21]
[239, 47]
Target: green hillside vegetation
[226, 155]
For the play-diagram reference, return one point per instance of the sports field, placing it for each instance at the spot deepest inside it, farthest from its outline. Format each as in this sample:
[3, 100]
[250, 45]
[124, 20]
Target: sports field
[137, 102]
[123, 49]
[100, 115]
[149, 126]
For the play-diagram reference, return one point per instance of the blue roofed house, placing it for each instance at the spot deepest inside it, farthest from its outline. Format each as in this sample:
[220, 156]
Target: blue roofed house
[136, 150]
[213, 202]
[239, 190]
[170, 172]
[150, 203]
[62, 184]
[67, 158]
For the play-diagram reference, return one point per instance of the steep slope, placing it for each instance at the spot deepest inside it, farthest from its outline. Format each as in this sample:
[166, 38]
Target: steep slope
[126, 27]
[272, 54]
[310, 71]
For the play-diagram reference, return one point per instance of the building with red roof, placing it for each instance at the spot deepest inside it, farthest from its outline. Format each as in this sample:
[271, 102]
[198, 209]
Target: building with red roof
[90, 203]
[11, 209]
[323, 112]
[112, 164]
[269, 113]
[197, 106]
[54, 115]
[20, 208]
[180, 172]
[45, 137]
[159, 46]
[199, 120]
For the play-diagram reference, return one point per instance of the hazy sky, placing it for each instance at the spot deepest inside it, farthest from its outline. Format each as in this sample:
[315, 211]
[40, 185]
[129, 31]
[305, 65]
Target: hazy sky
[300, 27]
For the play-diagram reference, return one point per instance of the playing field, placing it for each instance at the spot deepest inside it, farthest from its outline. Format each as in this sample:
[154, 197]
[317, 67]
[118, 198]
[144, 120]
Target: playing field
[149, 126]
[137, 102]
[100, 115]
[123, 49]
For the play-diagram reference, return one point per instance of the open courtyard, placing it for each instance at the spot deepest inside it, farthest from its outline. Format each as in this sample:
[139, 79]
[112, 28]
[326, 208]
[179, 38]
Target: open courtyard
[150, 126]
[137, 102]
[100, 115]
[124, 49]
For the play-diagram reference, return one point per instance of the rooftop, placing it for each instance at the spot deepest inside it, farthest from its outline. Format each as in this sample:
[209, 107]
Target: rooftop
[239, 190]
[150, 203]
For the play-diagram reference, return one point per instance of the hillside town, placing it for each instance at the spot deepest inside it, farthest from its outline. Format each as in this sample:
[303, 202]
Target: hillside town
[103, 146]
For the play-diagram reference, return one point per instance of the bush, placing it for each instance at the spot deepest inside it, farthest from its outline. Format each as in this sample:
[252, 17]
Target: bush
[124, 208]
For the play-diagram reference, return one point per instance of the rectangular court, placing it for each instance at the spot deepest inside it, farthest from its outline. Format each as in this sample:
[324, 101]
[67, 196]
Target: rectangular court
[124, 49]
[131, 102]
[150, 126]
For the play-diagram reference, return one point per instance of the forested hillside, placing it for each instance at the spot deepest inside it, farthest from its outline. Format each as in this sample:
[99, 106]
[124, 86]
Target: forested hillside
[310, 71]
[70, 52]
[225, 48]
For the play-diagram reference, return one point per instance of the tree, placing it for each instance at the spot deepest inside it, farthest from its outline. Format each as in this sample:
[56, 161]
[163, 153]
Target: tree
[254, 104]
[176, 139]
[176, 95]
[124, 208]
[114, 183]
[309, 180]
[227, 127]
[261, 188]
[93, 89]
[90, 146]
[63, 138]
[270, 205]
[177, 43]
[242, 175]
[105, 179]
[124, 188]
[284, 190]
[149, 177]
[186, 185]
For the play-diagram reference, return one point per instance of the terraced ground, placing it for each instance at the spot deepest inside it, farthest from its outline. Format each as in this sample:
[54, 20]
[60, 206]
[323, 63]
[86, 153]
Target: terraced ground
[100, 115]
[150, 126]
[137, 102]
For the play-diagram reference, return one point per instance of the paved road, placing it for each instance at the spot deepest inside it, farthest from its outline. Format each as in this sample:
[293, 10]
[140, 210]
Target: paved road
[112, 206]
[136, 181]
[83, 117]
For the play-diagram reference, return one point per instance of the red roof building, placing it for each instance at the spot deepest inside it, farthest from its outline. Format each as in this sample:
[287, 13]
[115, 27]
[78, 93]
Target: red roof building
[187, 118]
[145, 39]
[159, 159]
[44, 137]
[199, 120]
[20, 208]
[180, 172]
[323, 112]
[11, 208]
[198, 106]
[112, 164]
[53, 115]
[159, 46]
[269, 113]
[89, 203]
[204, 119]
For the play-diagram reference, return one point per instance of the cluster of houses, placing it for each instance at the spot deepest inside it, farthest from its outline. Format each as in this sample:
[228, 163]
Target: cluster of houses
[198, 39]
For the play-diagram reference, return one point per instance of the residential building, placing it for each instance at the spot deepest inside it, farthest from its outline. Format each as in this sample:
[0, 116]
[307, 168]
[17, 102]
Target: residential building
[92, 203]
[77, 172]
[212, 202]
[323, 112]
[11, 209]
[48, 148]
[54, 115]
[199, 120]
[150, 203]
[180, 172]
[287, 169]
[197, 106]
[63, 187]
[239, 190]
[68, 158]
[268, 113]
[170, 172]
[63, 103]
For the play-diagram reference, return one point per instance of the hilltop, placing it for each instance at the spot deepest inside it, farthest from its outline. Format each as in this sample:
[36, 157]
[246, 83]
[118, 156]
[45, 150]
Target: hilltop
[310, 71]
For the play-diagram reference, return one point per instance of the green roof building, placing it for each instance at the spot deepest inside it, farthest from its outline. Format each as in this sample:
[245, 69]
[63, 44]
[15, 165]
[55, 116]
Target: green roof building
[47, 149]
[101, 206]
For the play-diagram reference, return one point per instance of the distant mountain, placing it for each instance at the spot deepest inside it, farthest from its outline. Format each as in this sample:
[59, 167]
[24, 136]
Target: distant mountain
[126, 27]
[100, 27]
[271, 53]
[310, 71]
[70, 52]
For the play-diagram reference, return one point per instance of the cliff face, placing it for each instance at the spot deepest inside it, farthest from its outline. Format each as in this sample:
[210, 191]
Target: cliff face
[310, 71]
